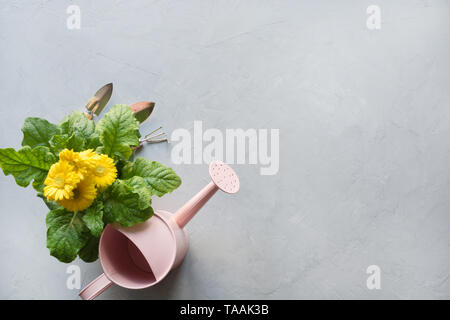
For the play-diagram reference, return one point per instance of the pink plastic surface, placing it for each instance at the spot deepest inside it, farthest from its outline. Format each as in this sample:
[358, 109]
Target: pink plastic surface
[190, 208]
[96, 287]
[224, 177]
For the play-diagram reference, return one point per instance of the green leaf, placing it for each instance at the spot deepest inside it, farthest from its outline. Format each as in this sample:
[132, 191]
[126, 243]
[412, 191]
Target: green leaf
[78, 134]
[93, 142]
[121, 205]
[139, 186]
[89, 253]
[77, 123]
[38, 132]
[93, 218]
[119, 165]
[26, 164]
[52, 205]
[159, 178]
[66, 234]
[38, 185]
[60, 142]
[76, 143]
[117, 132]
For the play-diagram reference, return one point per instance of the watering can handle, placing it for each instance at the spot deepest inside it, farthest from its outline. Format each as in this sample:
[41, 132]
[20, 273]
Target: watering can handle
[96, 287]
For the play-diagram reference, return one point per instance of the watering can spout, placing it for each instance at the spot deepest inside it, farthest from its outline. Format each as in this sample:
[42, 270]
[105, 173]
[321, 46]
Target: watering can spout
[222, 177]
[190, 208]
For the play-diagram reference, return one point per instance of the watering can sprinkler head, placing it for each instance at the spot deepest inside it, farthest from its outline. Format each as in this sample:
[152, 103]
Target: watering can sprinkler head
[222, 177]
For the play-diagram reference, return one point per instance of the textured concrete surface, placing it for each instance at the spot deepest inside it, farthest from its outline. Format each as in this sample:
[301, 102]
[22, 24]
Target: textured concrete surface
[364, 125]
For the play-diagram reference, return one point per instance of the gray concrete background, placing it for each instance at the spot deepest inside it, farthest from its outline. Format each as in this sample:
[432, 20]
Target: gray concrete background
[364, 125]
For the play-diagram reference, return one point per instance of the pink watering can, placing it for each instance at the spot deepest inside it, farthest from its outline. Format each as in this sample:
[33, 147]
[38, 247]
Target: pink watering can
[142, 255]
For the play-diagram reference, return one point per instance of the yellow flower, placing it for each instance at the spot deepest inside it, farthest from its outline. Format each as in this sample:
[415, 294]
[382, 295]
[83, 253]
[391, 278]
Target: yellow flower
[83, 196]
[89, 157]
[103, 172]
[60, 181]
[75, 160]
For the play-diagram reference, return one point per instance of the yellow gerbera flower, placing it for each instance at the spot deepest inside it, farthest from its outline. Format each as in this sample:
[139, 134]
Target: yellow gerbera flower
[89, 157]
[83, 196]
[60, 181]
[103, 172]
[75, 160]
